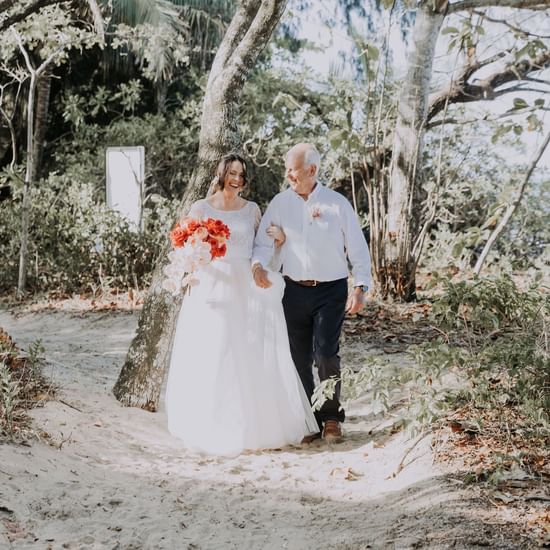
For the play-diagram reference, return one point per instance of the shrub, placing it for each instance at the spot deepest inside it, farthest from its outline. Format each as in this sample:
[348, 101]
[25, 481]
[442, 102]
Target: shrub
[22, 386]
[77, 243]
[495, 355]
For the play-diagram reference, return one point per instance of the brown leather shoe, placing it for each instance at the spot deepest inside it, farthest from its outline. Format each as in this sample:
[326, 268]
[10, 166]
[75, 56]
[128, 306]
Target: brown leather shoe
[311, 438]
[332, 432]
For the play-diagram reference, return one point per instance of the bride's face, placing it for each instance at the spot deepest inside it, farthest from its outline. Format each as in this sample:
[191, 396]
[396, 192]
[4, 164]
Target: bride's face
[234, 179]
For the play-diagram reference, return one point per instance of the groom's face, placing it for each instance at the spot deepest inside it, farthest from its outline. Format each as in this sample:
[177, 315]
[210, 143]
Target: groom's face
[300, 176]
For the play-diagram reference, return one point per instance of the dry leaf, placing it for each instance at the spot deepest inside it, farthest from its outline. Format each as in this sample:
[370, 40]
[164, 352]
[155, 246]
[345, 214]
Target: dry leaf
[346, 473]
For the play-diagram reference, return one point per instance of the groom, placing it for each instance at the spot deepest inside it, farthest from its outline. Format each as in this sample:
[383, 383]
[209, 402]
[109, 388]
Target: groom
[322, 234]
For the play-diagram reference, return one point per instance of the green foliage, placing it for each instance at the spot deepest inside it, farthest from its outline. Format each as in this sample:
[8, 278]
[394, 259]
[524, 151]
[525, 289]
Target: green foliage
[9, 392]
[77, 243]
[160, 48]
[477, 184]
[502, 346]
[22, 385]
[496, 354]
[170, 142]
[49, 34]
[416, 385]
[278, 111]
[486, 305]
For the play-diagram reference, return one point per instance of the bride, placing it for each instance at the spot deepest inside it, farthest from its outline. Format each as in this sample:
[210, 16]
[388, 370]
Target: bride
[232, 384]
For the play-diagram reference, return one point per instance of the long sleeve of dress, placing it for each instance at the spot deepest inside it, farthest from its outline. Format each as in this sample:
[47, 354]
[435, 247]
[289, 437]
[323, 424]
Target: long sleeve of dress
[264, 248]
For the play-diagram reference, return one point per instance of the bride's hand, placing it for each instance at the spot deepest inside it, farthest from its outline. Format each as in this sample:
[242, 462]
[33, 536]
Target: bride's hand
[277, 234]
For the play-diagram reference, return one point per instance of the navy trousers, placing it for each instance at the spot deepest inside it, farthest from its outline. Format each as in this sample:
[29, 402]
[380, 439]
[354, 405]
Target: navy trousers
[314, 317]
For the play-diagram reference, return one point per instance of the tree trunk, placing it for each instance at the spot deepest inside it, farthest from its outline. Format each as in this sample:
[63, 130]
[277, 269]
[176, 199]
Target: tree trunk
[43, 88]
[140, 380]
[26, 206]
[397, 266]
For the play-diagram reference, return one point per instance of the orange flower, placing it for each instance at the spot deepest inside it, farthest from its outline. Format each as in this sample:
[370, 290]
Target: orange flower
[193, 225]
[217, 227]
[212, 231]
[178, 236]
[218, 251]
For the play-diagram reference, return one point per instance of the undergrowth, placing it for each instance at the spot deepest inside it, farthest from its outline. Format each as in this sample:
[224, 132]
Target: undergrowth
[22, 387]
[486, 376]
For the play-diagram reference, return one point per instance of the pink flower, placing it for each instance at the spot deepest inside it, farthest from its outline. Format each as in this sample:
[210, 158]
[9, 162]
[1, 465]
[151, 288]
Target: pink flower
[315, 212]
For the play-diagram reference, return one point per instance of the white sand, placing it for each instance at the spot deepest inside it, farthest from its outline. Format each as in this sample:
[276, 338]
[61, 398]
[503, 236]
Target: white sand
[113, 477]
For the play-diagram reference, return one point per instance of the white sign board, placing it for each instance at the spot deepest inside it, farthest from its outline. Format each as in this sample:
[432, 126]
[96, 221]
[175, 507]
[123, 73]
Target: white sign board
[125, 167]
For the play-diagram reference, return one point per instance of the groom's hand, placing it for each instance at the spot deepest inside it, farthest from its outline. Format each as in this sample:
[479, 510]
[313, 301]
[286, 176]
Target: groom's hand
[356, 301]
[260, 276]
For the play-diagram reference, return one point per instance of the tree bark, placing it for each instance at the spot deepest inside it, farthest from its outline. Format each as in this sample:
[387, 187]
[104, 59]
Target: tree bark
[397, 269]
[43, 88]
[140, 380]
[511, 208]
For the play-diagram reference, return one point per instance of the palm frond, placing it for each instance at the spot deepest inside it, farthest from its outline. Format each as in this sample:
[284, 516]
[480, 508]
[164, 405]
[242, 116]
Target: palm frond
[146, 12]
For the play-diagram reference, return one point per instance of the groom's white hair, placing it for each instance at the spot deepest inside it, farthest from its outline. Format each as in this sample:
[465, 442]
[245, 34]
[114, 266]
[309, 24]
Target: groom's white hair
[311, 155]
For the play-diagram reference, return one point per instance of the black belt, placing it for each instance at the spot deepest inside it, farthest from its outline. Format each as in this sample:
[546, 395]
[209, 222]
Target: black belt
[307, 282]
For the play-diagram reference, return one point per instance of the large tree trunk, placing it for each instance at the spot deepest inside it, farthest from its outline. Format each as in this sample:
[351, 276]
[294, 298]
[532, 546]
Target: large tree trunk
[396, 271]
[140, 380]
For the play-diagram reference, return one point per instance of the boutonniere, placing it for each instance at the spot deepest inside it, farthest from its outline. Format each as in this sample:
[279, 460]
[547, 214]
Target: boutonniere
[315, 213]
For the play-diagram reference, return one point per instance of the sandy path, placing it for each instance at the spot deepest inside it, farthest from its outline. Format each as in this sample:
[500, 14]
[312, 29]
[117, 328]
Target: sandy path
[120, 481]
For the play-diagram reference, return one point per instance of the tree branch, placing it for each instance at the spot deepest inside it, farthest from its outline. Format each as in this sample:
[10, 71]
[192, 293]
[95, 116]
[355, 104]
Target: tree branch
[32, 8]
[472, 4]
[5, 5]
[251, 45]
[241, 21]
[98, 19]
[464, 92]
[512, 207]
[506, 23]
[464, 121]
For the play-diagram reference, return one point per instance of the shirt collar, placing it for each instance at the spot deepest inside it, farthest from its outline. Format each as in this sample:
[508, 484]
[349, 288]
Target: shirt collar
[313, 194]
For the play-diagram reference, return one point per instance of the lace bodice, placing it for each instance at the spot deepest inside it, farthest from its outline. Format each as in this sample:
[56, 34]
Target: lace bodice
[242, 224]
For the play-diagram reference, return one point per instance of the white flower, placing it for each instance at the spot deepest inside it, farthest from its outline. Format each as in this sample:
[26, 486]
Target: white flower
[203, 253]
[171, 271]
[179, 258]
[172, 285]
[189, 280]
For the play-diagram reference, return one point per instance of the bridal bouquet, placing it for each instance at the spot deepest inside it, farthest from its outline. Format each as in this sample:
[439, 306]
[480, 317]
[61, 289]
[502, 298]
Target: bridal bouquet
[196, 244]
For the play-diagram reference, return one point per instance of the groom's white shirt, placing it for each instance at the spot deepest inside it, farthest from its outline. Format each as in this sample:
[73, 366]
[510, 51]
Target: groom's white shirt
[322, 233]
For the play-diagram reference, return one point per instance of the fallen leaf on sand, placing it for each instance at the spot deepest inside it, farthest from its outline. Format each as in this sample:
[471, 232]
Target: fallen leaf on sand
[346, 473]
[14, 530]
[504, 497]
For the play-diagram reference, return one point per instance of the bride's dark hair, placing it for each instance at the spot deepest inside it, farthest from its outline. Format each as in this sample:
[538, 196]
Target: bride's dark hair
[225, 164]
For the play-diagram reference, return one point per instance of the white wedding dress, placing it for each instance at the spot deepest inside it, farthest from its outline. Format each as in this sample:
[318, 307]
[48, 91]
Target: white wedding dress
[232, 384]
